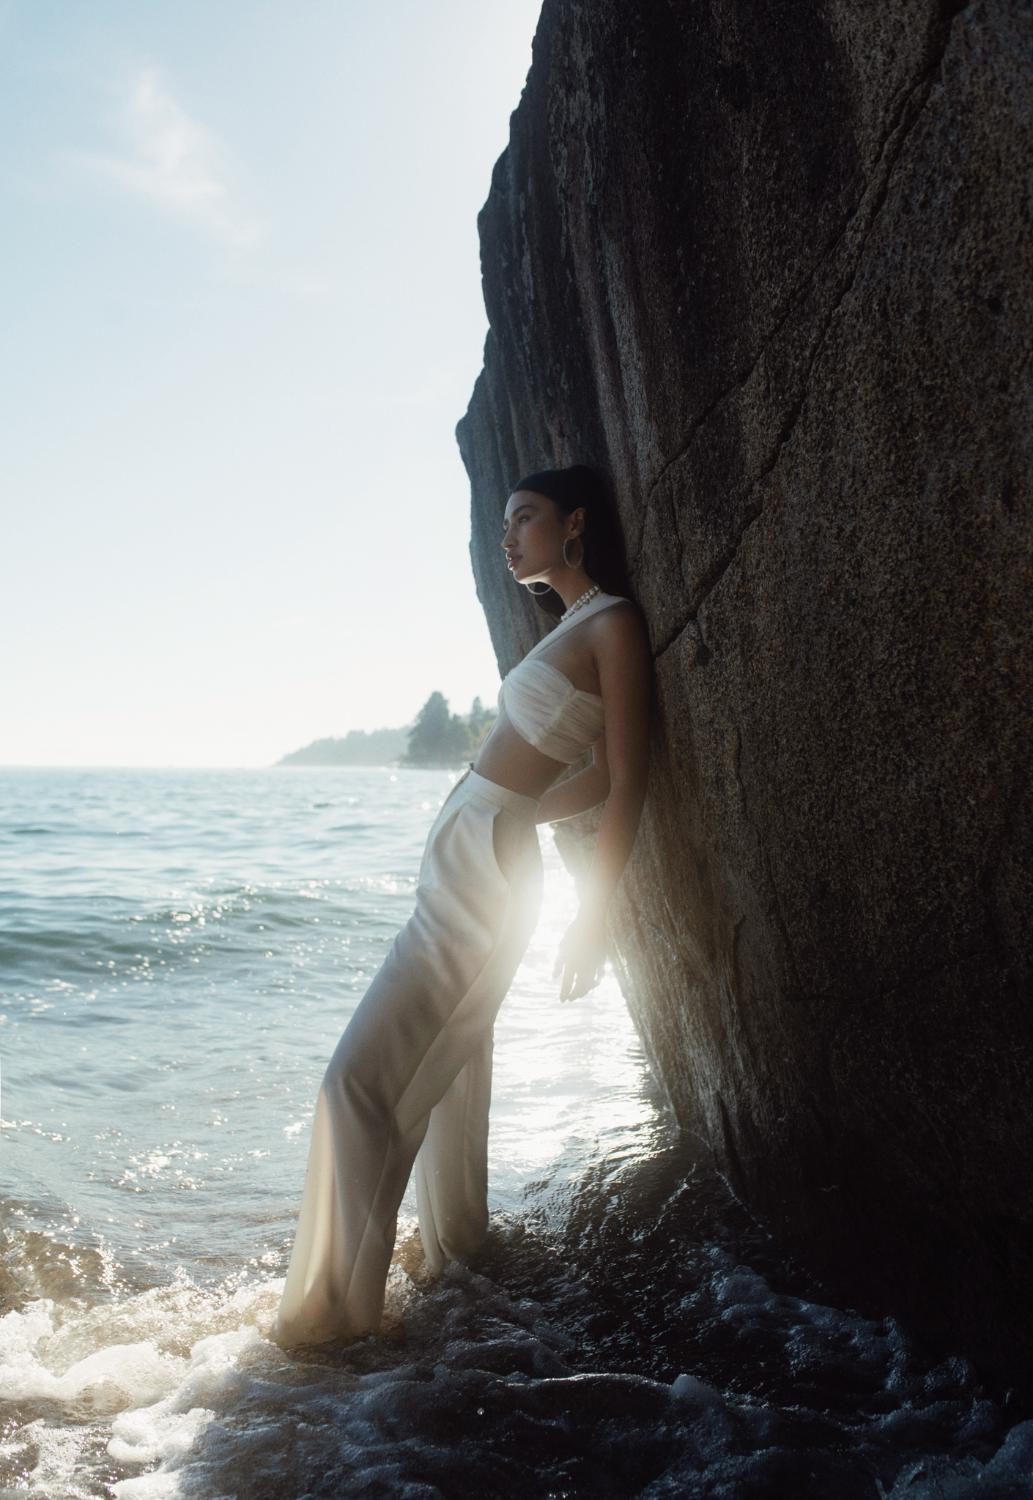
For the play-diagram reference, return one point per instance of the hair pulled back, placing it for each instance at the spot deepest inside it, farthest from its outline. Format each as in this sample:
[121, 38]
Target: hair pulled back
[605, 560]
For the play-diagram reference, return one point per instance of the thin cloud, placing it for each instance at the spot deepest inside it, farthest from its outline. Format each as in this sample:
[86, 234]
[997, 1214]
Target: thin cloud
[176, 163]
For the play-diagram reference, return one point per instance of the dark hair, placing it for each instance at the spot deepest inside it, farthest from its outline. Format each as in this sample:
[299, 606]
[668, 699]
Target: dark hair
[605, 560]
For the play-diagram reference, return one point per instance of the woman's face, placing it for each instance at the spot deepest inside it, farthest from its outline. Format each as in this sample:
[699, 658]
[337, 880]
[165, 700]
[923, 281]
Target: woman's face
[533, 533]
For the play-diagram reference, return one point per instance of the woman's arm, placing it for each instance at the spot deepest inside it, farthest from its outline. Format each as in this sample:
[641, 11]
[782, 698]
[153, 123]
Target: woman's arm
[578, 793]
[626, 680]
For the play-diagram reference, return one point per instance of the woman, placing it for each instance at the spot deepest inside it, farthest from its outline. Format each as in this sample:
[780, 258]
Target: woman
[410, 1079]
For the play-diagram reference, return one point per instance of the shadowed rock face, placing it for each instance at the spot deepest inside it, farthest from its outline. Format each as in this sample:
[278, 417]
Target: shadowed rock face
[769, 265]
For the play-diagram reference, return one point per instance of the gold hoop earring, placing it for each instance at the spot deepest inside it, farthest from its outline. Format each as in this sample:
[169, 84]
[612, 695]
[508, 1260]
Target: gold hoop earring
[580, 555]
[532, 590]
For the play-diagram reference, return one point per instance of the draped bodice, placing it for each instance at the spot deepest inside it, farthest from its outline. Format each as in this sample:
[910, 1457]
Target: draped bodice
[544, 706]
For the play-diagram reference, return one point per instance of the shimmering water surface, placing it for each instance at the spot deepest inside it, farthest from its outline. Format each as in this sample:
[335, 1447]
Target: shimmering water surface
[180, 951]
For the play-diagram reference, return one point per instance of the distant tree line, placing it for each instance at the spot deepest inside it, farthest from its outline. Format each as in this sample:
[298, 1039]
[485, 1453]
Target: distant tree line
[359, 747]
[437, 737]
[441, 738]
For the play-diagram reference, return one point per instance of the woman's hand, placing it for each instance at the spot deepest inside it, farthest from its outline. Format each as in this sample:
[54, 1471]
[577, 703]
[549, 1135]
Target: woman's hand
[581, 957]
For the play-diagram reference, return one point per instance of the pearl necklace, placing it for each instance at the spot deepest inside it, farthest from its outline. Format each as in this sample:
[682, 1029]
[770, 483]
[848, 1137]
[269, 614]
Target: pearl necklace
[581, 600]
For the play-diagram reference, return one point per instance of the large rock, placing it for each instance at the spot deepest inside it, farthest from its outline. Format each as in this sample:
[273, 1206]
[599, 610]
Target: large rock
[769, 265]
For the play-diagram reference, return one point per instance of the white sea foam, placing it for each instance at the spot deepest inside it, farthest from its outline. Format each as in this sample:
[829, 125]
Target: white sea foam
[177, 1390]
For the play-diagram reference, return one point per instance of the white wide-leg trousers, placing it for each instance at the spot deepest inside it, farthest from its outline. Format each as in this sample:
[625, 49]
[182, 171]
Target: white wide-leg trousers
[410, 1079]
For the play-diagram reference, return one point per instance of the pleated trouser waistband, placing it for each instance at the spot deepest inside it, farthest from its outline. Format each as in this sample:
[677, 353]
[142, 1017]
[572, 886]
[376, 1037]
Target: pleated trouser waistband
[476, 785]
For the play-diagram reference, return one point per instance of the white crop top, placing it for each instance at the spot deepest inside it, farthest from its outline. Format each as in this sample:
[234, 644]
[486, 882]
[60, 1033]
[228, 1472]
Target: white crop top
[544, 706]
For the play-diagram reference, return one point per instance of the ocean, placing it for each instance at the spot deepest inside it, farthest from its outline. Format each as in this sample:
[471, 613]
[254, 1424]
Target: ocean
[179, 953]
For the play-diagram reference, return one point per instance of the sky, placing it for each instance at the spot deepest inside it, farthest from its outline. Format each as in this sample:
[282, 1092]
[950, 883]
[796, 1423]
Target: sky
[242, 313]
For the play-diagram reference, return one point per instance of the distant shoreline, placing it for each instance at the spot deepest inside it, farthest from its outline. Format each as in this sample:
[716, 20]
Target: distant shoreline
[264, 766]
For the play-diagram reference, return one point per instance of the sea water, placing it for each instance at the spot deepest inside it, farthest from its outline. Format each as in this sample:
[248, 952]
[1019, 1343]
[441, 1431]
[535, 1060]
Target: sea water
[179, 952]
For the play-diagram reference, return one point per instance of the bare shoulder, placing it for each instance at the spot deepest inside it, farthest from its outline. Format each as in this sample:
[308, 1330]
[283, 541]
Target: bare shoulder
[620, 630]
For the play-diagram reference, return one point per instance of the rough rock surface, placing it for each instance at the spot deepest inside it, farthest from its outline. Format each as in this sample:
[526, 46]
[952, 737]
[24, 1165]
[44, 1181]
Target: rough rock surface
[769, 265]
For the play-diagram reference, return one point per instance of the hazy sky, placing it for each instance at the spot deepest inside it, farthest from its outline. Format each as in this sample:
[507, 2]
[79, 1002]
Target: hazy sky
[241, 314]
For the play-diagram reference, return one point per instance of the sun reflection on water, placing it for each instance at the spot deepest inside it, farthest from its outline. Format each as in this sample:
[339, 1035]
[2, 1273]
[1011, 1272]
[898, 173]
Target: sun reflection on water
[567, 1077]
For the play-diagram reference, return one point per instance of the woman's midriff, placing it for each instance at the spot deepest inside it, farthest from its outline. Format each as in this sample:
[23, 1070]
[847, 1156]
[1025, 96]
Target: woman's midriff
[506, 758]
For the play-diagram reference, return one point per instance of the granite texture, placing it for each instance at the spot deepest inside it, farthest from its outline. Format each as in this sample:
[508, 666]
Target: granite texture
[769, 266]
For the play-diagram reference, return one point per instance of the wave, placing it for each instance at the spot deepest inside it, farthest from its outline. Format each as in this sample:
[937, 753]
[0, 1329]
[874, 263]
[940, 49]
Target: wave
[97, 936]
[568, 1360]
